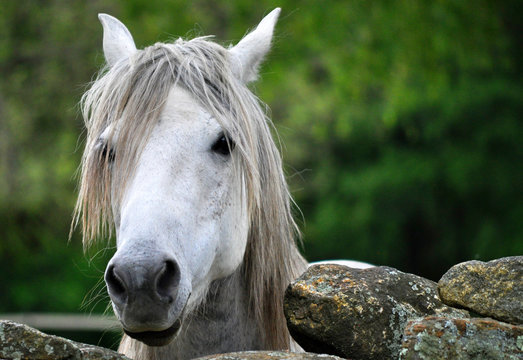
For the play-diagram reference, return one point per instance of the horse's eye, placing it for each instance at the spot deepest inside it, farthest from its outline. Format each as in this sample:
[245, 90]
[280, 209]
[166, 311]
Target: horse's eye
[223, 145]
[107, 153]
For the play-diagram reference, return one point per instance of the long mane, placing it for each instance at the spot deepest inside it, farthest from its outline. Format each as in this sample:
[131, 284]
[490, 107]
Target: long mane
[128, 98]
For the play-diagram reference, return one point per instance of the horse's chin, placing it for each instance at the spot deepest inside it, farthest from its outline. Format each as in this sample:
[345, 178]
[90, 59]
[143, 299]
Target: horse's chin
[157, 338]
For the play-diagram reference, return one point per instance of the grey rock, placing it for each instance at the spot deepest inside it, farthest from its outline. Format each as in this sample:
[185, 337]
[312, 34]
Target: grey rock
[18, 341]
[461, 339]
[359, 313]
[269, 355]
[493, 288]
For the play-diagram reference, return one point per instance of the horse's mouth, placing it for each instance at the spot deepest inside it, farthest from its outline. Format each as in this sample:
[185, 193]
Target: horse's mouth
[156, 338]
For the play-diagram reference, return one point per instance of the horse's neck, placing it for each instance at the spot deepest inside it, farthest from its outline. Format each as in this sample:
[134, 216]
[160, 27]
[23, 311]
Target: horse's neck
[221, 324]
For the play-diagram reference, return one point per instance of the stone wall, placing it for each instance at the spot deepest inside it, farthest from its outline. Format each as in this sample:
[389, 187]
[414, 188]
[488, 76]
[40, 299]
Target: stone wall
[474, 312]
[19, 341]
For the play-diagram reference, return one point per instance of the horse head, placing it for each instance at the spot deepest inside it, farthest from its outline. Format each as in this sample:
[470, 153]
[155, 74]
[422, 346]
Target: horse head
[180, 162]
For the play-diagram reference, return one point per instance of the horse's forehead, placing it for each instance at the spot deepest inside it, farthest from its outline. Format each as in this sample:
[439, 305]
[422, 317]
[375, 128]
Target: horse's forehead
[183, 112]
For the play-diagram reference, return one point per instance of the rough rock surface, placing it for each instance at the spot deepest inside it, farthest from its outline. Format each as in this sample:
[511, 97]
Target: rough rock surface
[461, 339]
[493, 288]
[358, 313]
[19, 341]
[269, 355]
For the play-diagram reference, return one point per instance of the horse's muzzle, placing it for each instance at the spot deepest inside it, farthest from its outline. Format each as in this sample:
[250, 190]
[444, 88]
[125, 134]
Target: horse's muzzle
[147, 296]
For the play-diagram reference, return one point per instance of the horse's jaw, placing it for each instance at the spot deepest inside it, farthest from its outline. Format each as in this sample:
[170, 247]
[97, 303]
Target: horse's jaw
[195, 304]
[140, 324]
[224, 314]
[157, 338]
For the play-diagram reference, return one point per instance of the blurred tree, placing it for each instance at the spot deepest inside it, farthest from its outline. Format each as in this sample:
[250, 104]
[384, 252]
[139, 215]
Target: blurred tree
[47, 52]
[406, 115]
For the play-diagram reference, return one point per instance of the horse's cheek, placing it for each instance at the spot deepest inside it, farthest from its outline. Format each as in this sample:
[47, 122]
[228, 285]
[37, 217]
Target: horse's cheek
[232, 240]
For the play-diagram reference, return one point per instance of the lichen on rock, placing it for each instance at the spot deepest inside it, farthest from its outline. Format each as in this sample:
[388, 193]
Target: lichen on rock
[359, 313]
[439, 338]
[18, 341]
[493, 288]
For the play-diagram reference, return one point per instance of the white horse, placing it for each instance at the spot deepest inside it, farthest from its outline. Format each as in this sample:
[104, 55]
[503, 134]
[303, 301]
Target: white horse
[180, 163]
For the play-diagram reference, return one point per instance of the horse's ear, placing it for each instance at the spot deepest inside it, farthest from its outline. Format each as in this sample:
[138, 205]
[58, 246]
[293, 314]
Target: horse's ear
[248, 54]
[118, 41]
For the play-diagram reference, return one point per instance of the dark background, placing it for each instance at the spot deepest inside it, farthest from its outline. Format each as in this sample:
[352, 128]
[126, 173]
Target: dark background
[400, 123]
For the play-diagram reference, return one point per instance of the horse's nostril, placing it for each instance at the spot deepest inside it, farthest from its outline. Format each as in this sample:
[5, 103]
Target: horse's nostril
[129, 283]
[114, 282]
[168, 280]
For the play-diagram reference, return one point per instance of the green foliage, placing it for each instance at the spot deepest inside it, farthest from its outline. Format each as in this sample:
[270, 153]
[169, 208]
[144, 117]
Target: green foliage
[400, 124]
[406, 115]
